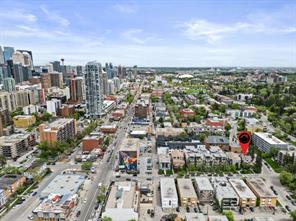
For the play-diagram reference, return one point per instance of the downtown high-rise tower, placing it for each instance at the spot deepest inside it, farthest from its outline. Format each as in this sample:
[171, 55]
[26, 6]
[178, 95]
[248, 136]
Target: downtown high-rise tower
[94, 89]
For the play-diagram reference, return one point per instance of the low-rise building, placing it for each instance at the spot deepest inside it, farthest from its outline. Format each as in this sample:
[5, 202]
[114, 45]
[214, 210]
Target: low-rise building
[23, 121]
[217, 218]
[225, 193]
[164, 161]
[9, 184]
[16, 145]
[187, 194]
[59, 130]
[3, 199]
[63, 184]
[284, 155]
[178, 158]
[204, 189]
[265, 141]
[123, 202]
[168, 193]
[186, 113]
[56, 207]
[128, 155]
[221, 141]
[118, 114]
[108, 129]
[195, 217]
[261, 190]
[169, 132]
[91, 142]
[246, 197]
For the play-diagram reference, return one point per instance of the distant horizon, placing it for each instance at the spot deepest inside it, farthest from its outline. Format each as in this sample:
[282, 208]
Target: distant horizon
[214, 33]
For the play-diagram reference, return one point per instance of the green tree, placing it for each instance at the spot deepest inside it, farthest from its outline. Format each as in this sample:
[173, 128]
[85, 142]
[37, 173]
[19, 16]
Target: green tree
[229, 215]
[2, 160]
[105, 218]
[86, 165]
[202, 137]
[286, 178]
[227, 126]
[293, 215]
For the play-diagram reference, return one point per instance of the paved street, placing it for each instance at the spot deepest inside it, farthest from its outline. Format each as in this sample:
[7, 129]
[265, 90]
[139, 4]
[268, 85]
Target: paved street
[105, 170]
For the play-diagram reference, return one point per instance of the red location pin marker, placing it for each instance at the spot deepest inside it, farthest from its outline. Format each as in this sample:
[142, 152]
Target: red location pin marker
[244, 139]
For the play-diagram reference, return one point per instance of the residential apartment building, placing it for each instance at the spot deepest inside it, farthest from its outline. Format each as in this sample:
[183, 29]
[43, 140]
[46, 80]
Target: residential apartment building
[164, 162]
[13, 100]
[56, 79]
[168, 193]
[59, 130]
[23, 121]
[16, 145]
[265, 141]
[225, 193]
[262, 191]
[94, 89]
[204, 189]
[178, 158]
[246, 197]
[187, 194]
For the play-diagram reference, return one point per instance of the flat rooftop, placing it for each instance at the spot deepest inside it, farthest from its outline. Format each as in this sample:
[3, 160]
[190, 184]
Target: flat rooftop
[130, 144]
[60, 122]
[186, 189]
[122, 195]
[260, 187]
[63, 184]
[203, 184]
[195, 217]
[217, 218]
[223, 188]
[241, 188]
[168, 188]
[269, 138]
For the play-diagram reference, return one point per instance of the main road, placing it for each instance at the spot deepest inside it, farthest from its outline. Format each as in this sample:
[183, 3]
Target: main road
[21, 212]
[105, 170]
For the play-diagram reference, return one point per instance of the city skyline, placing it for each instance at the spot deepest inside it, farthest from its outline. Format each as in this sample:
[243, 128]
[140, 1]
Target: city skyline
[149, 33]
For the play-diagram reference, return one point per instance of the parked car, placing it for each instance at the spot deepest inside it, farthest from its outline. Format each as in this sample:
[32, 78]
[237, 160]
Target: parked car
[78, 213]
[288, 208]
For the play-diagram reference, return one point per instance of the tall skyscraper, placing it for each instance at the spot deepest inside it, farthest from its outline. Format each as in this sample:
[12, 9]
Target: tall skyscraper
[9, 84]
[45, 81]
[94, 90]
[18, 57]
[1, 56]
[56, 79]
[79, 70]
[27, 72]
[56, 66]
[105, 83]
[18, 73]
[8, 52]
[77, 89]
[10, 68]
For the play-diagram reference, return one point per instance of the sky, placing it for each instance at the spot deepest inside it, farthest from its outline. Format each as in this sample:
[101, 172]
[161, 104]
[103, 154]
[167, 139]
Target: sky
[157, 33]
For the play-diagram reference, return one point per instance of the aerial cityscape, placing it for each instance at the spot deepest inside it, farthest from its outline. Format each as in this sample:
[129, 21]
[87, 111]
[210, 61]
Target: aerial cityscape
[148, 110]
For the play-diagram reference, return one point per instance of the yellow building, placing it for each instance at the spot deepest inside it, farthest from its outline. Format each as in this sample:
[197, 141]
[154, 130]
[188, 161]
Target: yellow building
[262, 191]
[24, 121]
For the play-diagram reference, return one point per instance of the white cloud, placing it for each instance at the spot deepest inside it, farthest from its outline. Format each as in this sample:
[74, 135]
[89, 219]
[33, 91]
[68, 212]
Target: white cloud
[138, 36]
[17, 15]
[126, 8]
[280, 22]
[212, 32]
[55, 17]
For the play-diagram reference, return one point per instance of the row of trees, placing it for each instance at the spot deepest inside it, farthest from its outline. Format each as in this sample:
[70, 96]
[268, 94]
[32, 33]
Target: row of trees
[53, 151]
